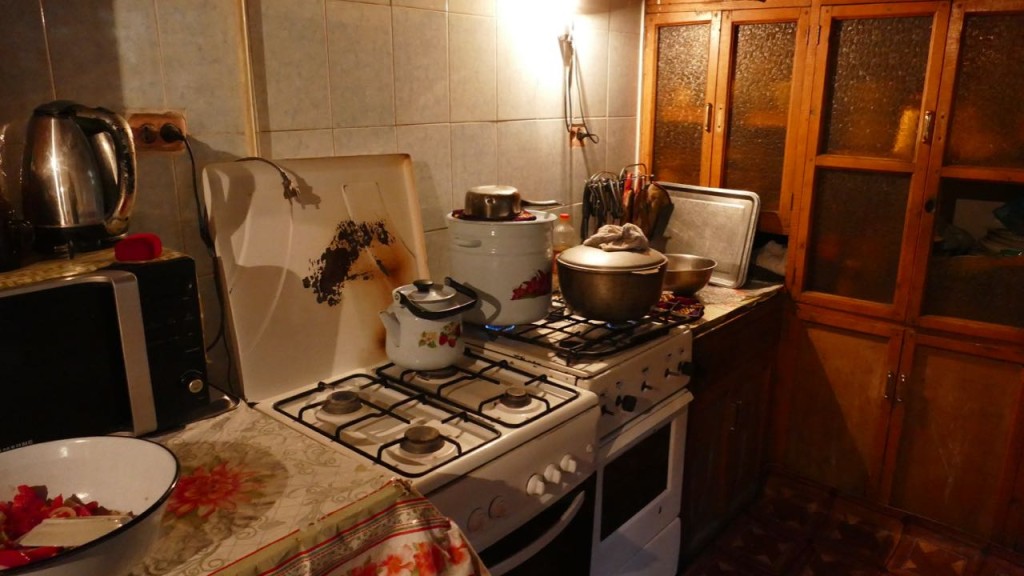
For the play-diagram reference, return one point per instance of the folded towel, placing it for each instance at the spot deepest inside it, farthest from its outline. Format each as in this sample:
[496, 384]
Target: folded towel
[612, 238]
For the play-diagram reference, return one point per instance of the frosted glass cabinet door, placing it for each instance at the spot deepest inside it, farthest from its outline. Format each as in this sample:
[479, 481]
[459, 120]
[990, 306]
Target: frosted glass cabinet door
[972, 241]
[759, 102]
[681, 101]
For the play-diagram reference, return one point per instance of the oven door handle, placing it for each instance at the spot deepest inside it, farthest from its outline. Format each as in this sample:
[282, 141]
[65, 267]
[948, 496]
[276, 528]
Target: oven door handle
[539, 544]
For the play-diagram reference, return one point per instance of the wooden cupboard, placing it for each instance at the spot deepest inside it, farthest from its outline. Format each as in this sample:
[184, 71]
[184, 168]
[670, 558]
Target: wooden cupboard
[734, 367]
[928, 424]
[721, 95]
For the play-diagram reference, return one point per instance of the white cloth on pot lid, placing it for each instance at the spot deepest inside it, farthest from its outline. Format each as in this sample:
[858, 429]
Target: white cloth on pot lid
[612, 238]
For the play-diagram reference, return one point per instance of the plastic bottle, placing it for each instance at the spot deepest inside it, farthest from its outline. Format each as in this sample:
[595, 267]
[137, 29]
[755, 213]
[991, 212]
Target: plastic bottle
[563, 236]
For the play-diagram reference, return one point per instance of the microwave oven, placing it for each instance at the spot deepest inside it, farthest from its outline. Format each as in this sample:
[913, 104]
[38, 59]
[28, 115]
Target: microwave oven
[108, 348]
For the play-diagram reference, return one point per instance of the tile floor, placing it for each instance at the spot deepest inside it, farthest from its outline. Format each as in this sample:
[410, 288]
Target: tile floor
[797, 528]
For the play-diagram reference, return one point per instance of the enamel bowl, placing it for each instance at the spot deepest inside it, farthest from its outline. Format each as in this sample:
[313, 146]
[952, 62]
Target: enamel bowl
[121, 474]
[686, 274]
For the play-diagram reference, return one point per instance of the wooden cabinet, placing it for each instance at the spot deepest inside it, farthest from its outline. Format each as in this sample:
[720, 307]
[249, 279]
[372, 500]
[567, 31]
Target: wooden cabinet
[721, 96]
[727, 418]
[928, 424]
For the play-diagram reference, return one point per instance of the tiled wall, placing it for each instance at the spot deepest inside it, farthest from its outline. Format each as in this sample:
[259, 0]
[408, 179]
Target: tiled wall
[471, 89]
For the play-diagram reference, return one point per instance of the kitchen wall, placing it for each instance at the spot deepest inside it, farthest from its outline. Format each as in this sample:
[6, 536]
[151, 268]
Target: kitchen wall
[471, 89]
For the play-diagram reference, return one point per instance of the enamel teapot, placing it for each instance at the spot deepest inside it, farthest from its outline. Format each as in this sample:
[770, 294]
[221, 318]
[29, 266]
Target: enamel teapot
[424, 324]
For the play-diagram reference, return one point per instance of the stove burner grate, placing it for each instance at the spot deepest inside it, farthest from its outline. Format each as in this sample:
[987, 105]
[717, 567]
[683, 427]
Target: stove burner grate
[575, 338]
[381, 412]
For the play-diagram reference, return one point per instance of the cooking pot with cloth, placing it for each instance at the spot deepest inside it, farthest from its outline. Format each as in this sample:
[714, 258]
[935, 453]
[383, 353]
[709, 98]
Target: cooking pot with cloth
[613, 276]
[504, 253]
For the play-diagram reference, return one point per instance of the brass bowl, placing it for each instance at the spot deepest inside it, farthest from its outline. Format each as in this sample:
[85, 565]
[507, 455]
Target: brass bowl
[685, 274]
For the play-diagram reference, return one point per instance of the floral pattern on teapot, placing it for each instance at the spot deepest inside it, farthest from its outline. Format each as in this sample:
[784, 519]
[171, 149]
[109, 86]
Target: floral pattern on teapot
[449, 336]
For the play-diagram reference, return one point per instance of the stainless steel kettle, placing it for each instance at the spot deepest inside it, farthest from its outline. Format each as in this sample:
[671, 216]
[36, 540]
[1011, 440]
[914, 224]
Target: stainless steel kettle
[78, 177]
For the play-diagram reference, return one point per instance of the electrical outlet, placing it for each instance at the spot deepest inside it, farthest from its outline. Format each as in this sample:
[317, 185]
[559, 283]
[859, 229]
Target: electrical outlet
[576, 140]
[146, 130]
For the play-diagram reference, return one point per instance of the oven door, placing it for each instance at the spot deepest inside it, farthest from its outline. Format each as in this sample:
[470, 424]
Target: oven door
[639, 486]
[556, 542]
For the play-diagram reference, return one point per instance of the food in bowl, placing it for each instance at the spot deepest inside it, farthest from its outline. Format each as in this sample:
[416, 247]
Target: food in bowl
[31, 507]
[119, 473]
[686, 274]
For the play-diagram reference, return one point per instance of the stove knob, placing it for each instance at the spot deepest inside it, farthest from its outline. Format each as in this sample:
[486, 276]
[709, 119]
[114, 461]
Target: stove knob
[477, 519]
[568, 464]
[498, 508]
[553, 474]
[535, 486]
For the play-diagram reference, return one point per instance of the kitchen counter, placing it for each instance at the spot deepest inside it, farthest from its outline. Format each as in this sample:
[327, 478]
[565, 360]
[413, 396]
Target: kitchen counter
[256, 497]
[721, 304]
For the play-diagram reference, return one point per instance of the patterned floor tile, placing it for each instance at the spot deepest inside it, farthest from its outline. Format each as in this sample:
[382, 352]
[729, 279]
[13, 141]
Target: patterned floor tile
[751, 543]
[922, 551]
[715, 563]
[863, 530]
[792, 504]
[817, 562]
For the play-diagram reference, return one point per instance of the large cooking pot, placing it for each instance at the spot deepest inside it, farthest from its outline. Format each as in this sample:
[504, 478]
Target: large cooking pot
[614, 286]
[498, 203]
[508, 264]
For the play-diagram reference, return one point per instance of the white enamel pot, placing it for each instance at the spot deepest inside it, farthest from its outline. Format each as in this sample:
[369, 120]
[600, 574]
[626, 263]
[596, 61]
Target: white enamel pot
[508, 264]
[424, 324]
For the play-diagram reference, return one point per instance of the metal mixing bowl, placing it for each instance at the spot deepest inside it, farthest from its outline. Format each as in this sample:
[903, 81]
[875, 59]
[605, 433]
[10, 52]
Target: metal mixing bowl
[686, 274]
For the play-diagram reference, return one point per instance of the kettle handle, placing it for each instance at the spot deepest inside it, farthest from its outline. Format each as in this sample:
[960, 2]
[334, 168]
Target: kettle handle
[96, 120]
[421, 312]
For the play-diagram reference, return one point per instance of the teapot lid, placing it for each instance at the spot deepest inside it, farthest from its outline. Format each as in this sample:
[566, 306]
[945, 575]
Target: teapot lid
[430, 301]
[426, 292]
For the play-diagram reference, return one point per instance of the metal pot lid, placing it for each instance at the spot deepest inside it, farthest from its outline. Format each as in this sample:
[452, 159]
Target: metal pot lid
[427, 293]
[591, 258]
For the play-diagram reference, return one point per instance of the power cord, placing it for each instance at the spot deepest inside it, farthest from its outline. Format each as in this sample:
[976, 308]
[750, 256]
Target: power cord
[171, 133]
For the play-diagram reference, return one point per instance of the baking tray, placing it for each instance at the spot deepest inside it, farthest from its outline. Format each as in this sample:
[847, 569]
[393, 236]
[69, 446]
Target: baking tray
[717, 223]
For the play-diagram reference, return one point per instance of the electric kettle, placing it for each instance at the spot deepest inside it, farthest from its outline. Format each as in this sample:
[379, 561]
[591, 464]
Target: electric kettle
[78, 177]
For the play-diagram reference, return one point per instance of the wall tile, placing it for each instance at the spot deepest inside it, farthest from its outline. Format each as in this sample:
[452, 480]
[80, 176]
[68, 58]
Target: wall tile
[361, 64]
[438, 255]
[92, 61]
[297, 143]
[430, 148]
[530, 70]
[621, 139]
[421, 66]
[212, 90]
[474, 158]
[289, 60]
[589, 159]
[24, 70]
[591, 14]
[478, 7]
[156, 202]
[624, 73]
[533, 156]
[591, 78]
[354, 141]
[473, 68]
[626, 16]
[423, 4]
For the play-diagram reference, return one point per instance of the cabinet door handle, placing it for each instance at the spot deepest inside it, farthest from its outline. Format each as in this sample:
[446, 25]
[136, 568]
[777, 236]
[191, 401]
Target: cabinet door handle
[890, 381]
[709, 112]
[899, 387]
[928, 126]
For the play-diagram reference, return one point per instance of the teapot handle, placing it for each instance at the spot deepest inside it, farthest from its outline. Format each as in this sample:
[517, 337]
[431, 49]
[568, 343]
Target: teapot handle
[100, 120]
[421, 312]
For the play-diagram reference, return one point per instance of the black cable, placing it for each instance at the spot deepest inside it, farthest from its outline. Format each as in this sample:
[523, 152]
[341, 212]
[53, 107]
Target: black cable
[171, 133]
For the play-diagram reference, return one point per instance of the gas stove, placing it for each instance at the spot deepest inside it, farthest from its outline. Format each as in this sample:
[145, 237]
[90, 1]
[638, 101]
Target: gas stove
[631, 366]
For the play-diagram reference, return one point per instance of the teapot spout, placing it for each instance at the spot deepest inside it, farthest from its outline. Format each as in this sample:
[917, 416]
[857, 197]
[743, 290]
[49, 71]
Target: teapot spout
[391, 326]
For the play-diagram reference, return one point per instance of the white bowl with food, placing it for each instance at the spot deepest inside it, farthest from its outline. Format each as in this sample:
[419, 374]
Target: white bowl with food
[99, 478]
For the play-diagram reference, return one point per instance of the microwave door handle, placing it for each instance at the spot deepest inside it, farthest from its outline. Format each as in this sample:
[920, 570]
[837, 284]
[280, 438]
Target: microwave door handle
[539, 544]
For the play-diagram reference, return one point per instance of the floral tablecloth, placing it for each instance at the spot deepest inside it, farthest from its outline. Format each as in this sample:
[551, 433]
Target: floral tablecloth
[258, 498]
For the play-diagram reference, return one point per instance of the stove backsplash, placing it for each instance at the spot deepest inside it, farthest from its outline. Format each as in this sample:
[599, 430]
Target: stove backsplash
[471, 89]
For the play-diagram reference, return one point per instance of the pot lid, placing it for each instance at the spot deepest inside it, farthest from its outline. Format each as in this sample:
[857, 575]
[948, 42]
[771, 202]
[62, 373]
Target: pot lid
[591, 258]
[426, 293]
